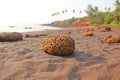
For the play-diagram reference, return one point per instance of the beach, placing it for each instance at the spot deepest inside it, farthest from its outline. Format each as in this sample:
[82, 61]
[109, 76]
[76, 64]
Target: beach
[91, 60]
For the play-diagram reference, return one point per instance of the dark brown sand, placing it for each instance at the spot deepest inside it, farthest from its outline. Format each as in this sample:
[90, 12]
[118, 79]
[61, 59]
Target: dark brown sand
[92, 59]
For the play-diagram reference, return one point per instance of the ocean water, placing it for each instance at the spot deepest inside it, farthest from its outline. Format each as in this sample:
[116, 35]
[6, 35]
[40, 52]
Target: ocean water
[20, 27]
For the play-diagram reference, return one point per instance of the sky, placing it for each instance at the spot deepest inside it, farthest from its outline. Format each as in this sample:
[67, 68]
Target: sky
[39, 11]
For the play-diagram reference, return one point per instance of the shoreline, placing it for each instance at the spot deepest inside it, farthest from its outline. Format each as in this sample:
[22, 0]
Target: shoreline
[25, 28]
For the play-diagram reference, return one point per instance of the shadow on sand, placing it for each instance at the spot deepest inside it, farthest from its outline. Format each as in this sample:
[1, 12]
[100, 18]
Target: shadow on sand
[84, 57]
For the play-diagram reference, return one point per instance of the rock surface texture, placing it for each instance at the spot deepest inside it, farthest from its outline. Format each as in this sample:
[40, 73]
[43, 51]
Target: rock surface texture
[87, 33]
[58, 45]
[6, 37]
[111, 39]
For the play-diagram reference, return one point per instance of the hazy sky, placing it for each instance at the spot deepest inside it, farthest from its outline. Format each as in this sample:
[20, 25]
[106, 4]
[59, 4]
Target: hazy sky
[39, 11]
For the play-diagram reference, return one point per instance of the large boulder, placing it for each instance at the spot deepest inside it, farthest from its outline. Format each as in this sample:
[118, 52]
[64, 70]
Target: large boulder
[111, 39]
[4, 37]
[58, 45]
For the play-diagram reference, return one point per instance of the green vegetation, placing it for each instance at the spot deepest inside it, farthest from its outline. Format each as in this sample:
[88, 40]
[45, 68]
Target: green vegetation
[69, 21]
[106, 18]
[97, 17]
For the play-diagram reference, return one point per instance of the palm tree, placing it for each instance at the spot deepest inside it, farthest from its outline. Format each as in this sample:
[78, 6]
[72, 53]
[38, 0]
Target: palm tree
[109, 9]
[52, 14]
[73, 10]
[95, 10]
[80, 11]
[89, 10]
[105, 8]
[66, 11]
[57, 13]
[63, 11]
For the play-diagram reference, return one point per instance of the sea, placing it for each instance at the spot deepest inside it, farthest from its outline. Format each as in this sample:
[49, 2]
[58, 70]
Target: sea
[24, 27]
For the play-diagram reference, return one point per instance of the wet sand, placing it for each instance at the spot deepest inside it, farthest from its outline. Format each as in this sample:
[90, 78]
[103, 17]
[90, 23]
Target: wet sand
[92, 59]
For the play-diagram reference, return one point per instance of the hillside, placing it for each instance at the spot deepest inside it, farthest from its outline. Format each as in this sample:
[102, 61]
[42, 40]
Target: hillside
[78, 22]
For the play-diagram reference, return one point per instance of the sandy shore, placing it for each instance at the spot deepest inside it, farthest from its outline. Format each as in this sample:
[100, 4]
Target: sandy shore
[92, 59]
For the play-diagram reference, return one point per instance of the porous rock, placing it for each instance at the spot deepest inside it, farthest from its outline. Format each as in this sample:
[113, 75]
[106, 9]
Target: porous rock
[87, 33]
[58, 45]
[4, 37]
[111, 39]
